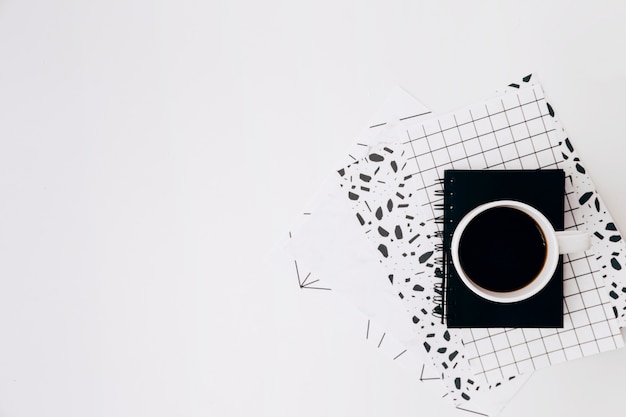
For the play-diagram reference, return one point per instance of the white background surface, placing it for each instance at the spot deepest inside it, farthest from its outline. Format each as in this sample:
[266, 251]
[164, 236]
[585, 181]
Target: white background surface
[151, 153]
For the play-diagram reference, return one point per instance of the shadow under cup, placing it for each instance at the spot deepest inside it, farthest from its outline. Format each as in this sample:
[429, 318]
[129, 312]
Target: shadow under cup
[502, 250]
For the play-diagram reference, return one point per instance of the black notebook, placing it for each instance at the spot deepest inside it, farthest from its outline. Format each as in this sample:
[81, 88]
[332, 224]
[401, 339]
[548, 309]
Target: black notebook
[463, 191]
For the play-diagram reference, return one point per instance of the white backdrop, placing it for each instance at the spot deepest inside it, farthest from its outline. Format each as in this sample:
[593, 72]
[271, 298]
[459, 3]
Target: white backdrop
[152, 152]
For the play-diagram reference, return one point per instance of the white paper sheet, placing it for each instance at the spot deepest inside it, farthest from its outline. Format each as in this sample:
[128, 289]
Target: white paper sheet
[326, 253]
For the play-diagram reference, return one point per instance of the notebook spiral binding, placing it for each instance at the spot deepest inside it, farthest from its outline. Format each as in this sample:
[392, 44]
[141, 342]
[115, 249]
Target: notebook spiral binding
[441, 310]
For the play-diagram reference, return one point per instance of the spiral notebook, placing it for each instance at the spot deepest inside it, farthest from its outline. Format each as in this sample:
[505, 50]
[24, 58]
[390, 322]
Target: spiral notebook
[463, 191]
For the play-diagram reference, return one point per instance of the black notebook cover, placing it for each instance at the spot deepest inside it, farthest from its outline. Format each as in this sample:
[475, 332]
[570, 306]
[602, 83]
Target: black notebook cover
[463, 191]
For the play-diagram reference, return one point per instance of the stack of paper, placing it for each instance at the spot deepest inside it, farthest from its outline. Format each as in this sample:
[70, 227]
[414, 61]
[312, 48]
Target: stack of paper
[370, 242]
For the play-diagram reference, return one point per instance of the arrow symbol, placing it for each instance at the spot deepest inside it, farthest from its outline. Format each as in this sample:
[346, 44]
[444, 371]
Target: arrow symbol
[306, 284]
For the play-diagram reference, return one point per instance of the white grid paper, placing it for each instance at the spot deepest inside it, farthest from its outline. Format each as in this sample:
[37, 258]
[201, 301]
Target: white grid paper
[513, 132]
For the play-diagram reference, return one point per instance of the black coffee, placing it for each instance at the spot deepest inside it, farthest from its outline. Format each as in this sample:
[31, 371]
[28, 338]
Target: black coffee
[502, 249]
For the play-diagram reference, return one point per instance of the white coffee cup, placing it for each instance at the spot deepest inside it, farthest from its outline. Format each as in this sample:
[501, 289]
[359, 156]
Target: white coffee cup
[555, 243]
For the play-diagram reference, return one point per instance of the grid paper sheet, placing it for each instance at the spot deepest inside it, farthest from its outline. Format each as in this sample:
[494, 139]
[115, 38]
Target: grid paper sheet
[518, 132]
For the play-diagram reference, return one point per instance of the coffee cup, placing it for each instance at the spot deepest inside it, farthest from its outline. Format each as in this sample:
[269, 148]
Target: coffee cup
[507, 251]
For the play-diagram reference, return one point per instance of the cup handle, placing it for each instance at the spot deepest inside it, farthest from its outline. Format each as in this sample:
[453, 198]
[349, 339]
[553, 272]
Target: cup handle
[573, 241]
